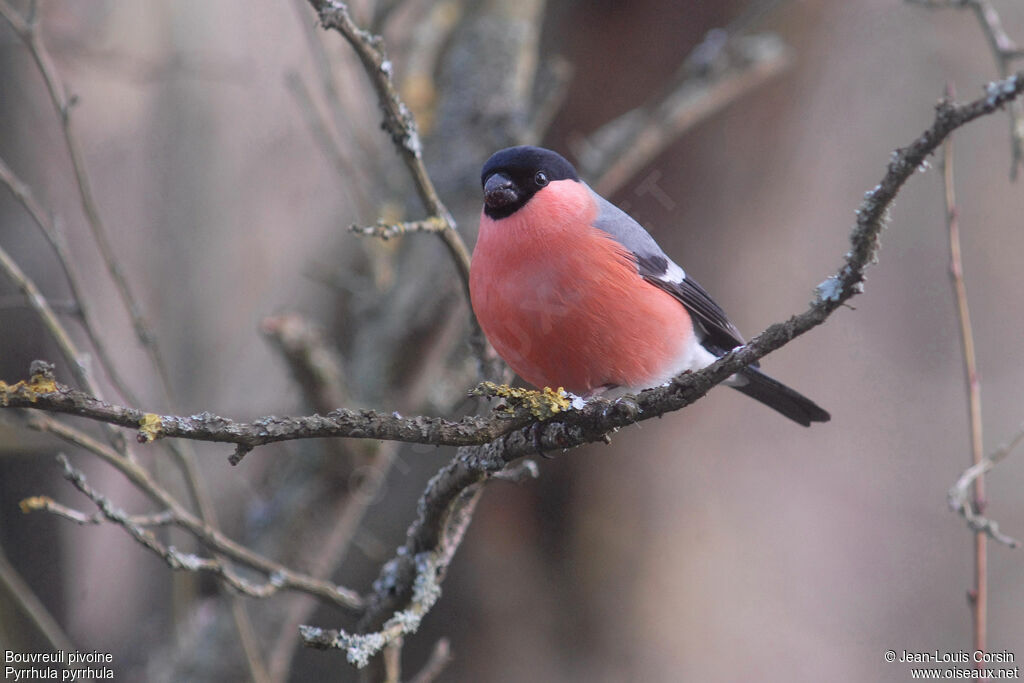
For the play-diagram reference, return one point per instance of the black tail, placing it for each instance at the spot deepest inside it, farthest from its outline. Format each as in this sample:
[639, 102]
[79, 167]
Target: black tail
[778, 396]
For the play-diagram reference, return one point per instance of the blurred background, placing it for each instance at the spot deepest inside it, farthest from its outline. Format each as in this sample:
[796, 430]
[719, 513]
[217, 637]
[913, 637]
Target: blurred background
[230, 144]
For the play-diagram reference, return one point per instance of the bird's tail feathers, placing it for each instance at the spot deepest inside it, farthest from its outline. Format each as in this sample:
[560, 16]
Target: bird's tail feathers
[778, 396]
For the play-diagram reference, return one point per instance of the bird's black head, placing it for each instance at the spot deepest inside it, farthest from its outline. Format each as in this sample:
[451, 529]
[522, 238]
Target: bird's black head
[513, 175]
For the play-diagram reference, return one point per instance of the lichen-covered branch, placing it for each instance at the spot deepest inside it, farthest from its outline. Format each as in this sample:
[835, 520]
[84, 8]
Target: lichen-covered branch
[441, 504]
[518, 434]
[1006, 52]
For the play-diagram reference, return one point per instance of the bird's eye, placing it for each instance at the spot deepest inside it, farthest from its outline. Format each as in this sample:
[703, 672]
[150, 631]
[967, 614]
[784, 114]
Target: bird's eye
[541, 178]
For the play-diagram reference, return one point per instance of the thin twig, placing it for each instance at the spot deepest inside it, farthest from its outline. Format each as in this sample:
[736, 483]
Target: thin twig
[960, 492]
[22, 595]
[979, 593]
[1005, 51]
[720, 70]
[398, 122]
[39, 216]
[280, 577]
[440, 657]
[386, 231]
[28, 32]
[62, 103]
[518, 434]
[353, 184]
[329, 86]
[37, 302]
[47, 504]
[439, 506]
[174, 558]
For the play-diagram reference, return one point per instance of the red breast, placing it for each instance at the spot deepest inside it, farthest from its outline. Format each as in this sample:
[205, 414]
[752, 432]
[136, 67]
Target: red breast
[562, 303]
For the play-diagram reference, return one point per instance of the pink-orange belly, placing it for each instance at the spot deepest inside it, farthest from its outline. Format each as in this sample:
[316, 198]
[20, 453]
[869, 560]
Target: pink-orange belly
[577, 315]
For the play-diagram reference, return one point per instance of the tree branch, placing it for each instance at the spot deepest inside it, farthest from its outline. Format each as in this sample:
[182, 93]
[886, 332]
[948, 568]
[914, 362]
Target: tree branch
[398, 122]
[28, 32]
[726, 65]
[442, 504]
[1005, 51]
[959, 494]
[211, 537]
[520, 435]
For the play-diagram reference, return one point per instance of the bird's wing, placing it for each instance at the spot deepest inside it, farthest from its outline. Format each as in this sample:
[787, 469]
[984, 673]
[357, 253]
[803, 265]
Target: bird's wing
[719, 335]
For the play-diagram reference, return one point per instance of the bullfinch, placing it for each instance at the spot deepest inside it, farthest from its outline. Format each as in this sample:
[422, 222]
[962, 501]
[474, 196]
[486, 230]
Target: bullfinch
[574, 293]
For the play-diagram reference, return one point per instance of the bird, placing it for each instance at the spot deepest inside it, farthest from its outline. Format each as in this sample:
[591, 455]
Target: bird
[572, 292]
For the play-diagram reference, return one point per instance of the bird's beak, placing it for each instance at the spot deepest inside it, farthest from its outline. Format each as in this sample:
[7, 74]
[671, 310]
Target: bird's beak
[499, 191]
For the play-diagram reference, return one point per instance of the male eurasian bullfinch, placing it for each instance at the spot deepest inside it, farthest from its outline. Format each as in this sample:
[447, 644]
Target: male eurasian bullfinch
[574, 293]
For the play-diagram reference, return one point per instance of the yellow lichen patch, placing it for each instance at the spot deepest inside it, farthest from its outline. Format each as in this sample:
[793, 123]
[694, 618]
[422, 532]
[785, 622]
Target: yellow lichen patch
[36, 385]
[541, 404]
[149, 427]
[6, 390]
[42, 384]
[35, 503]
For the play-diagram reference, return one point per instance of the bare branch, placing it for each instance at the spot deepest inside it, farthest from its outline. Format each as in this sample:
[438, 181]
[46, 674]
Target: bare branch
[517, 435]
[81, 308]
[398, 122]
[386, 231]
[359, 648]
[62, 103]
[720, 70]
[363, 424]
[38, 303]
[47, 504]
[979, 592]
[174, 558]
[440, 657]
[959, 493]
[444, 503]
[282, 577]
[1005, 51]
[22, 595]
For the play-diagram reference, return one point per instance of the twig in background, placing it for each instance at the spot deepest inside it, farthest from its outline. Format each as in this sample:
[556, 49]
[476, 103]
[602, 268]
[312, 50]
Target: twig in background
[439, 658]
[1005, 51]
[442, 504]
[62, 103]
[721, 69]
[47, 504]
[82, 311]
[174, 558]
[385, 231]
[22, 595]
[37, 302]
[960, 492]
[979, 592]
[314, 364]
[517, 436]
[398, 122]
[28, 32]
[336, 105]
[211, 537]
[353, 184]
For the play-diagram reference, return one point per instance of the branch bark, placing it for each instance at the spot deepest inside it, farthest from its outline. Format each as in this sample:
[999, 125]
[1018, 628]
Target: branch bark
[520, 434]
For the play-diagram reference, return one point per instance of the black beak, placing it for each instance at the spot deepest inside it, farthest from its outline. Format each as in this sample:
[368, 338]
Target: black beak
[499, 191]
